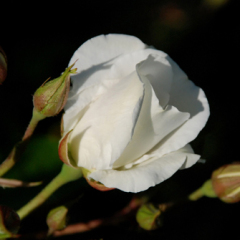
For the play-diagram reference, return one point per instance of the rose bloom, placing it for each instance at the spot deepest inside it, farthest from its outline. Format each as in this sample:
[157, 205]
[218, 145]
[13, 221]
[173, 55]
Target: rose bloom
[130, 114]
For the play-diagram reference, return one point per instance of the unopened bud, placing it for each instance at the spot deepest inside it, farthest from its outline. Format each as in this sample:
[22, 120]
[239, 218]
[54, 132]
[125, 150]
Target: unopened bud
[148, 216]
[3, 66]
[56, 219]
[226, 182]
[51, 97]
[9, 222]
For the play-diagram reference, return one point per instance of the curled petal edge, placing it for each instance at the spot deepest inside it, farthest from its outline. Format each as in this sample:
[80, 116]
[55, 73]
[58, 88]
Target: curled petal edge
[66, 158]
[63, 151]
[62, 126]
[93, 183]
[97, 185]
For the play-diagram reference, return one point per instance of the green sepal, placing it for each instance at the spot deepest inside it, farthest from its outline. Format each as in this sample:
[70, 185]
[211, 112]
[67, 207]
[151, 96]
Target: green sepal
[148, 216]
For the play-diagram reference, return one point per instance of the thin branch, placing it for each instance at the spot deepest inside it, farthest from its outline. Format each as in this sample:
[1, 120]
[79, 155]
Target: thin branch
[19, 148]
[12, 183]
[120, 216]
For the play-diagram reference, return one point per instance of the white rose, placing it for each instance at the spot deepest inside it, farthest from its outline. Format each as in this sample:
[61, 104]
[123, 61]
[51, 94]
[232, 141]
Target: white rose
[130, 114]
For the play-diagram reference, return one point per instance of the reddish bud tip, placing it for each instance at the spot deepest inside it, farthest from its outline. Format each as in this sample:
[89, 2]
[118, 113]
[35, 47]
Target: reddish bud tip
[226, 182]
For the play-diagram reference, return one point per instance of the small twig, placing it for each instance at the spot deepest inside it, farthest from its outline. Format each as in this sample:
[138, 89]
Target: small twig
[79, 228]
[120, 216]
[19, 148]
[66, 175]
[133, 205]
[12, 183]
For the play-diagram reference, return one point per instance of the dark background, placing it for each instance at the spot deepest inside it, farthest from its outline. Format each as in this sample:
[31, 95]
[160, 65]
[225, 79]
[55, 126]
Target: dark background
[201, 36]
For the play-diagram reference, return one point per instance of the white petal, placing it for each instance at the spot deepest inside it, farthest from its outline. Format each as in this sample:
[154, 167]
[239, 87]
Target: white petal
[159, 72]
[97, 55]
[77, 105]
[107, 126]
[154, 123]
[95, 58]
[191, 158]
[151, 63]
[142, 176]
[186, 97]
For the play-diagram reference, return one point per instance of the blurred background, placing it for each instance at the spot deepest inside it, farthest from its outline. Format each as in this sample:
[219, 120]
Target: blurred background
[202, 36]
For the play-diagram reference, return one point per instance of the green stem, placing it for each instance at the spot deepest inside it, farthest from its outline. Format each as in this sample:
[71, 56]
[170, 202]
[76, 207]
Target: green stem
[41, 197]
[36, 117]
[196, 195]
[18, 149]
[8, 162]
[205, 190]
[66, 175]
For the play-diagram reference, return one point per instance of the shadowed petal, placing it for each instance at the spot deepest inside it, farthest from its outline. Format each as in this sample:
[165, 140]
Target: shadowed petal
[95, 58]
[96, 55]
[186, 97]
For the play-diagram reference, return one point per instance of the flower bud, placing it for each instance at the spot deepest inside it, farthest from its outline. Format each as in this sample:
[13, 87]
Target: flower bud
[9, 222]
[51, 97]
[56, 219]
[226, 182]
[148, 216]
[3, 66]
